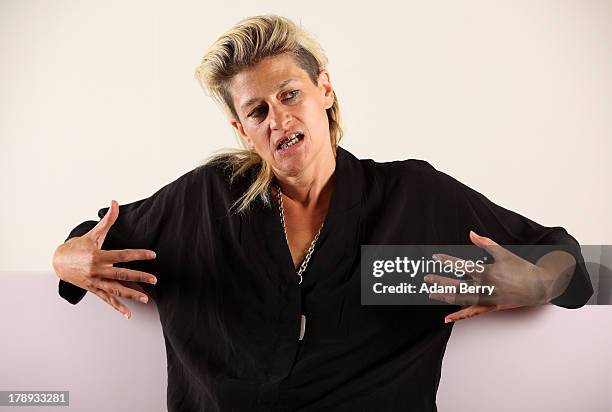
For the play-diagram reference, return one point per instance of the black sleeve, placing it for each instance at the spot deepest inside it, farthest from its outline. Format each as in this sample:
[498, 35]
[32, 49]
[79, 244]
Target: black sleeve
[138, 226]
[476, 212]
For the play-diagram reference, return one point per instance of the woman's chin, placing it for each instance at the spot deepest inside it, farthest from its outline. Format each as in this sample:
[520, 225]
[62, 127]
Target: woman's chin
[292, 167]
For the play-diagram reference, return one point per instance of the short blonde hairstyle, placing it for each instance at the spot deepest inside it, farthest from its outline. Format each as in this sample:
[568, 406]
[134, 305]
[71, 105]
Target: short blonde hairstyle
[243, 46]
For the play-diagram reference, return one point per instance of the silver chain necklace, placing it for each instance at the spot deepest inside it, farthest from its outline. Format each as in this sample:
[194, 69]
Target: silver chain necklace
[304, 263]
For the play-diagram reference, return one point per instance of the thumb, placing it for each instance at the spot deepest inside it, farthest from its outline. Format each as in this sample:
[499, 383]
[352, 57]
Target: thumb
[100, 230]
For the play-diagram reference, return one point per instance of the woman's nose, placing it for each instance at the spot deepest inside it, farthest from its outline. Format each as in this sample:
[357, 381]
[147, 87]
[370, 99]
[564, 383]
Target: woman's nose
[279, 117]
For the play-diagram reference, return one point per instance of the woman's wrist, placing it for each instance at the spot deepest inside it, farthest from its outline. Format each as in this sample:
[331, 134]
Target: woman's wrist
[558, 267]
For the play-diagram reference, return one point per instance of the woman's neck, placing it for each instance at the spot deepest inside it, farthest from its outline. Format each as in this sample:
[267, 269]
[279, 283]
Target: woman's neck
[313, 185]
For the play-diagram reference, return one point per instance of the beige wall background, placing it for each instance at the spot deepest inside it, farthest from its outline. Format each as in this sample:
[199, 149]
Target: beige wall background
[513, 98]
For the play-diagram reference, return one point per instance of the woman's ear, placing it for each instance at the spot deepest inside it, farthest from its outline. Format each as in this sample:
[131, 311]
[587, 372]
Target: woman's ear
[324, 82]
[236, 125]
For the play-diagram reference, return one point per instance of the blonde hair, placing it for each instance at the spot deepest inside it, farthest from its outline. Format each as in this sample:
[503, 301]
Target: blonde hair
[243, 46]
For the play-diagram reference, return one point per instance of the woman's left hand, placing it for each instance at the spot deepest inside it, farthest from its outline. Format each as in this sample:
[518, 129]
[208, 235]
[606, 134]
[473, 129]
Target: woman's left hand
[516, 282]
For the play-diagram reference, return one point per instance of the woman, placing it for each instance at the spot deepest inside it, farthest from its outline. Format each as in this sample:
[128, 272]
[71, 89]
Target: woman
[256, 254]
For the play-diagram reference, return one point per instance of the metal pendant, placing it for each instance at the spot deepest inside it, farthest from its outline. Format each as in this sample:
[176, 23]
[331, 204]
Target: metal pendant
[304, 264]
[302, 326]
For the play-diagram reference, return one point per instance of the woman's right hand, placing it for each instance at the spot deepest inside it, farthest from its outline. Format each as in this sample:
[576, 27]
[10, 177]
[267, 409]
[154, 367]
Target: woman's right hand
[82, 262]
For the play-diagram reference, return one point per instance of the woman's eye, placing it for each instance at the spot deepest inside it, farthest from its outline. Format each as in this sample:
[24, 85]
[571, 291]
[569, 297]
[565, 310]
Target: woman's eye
[257, 112]
[292, 94]
[261, 109]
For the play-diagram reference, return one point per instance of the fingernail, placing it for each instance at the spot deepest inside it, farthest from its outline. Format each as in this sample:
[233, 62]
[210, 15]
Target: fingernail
[126, 316]
[143, 299]
[447, 320]
[435, 256]
[153, 281]
[153, 255]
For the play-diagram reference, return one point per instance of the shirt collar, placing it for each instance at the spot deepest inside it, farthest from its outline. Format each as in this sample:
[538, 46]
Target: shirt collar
[349, 183]
[348, 186]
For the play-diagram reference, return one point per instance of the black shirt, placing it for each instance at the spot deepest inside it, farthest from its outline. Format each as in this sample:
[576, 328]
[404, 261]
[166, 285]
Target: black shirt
[230, 304]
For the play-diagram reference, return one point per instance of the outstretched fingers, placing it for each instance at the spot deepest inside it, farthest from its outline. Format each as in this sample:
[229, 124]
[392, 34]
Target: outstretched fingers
[113, 302]
[129, 275]
[114, 288]
[125, 255]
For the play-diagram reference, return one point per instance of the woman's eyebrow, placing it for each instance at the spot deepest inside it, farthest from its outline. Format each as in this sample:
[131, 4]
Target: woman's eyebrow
[252, 100]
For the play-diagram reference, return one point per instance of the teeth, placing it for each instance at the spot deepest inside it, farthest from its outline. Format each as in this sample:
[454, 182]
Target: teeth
[292, 140]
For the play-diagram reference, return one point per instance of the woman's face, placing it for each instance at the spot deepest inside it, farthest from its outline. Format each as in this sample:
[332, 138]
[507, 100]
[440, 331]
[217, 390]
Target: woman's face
[282, 114]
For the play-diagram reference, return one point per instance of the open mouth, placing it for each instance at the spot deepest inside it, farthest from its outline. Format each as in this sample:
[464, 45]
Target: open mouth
[290, 141]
